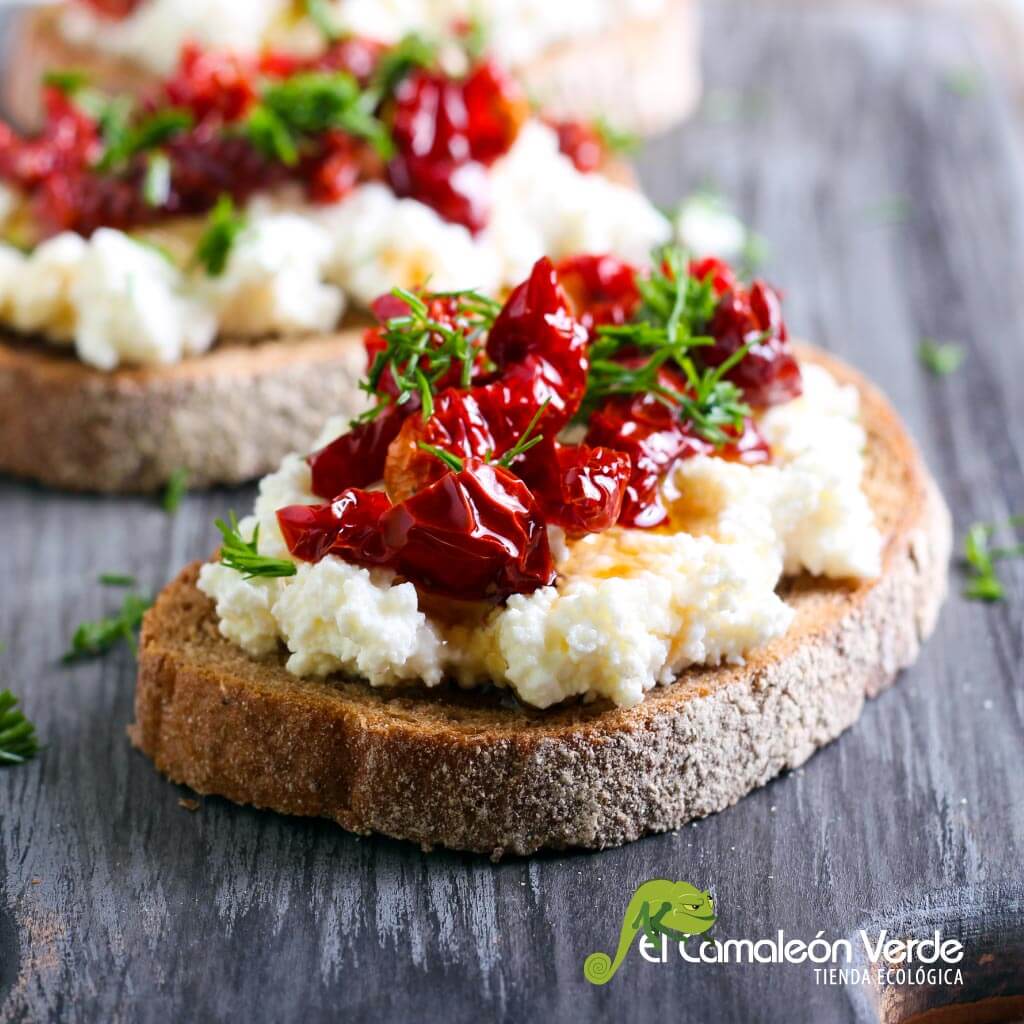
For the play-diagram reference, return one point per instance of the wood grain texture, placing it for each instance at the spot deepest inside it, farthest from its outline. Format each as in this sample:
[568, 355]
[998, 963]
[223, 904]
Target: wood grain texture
[116, 904]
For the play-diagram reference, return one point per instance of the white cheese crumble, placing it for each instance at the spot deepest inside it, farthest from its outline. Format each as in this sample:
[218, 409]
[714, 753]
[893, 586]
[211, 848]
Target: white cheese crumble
[632, 608]
[274, 279]
[292, 268]
[518, 30]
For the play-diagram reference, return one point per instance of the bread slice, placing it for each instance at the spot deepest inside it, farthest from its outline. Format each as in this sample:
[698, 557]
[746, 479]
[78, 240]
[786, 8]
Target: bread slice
[224, 417]
[478, 771]
[643, 77]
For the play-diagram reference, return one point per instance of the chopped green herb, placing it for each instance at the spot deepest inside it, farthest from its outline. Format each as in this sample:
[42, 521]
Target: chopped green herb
[223, 226]
[113, 579]
[18, 741]
[176, 489]
[941, 358]
[310, 104]
[673, 318]
[450, 459]
[243, 555]
[156, 186]
[475, 37]
[983, 583]
[964, 82]
[93, 638]
[420, 350]
[319, 12]
[411, 52]
[67, 81]
[615, 140]
[754, 254]
[123, 140]
[888, 210]
[526, 441]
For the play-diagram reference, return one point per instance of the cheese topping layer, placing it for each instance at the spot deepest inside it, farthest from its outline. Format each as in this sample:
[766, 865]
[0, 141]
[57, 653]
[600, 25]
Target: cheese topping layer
[293, 269]
[517, 29]
[631, 609]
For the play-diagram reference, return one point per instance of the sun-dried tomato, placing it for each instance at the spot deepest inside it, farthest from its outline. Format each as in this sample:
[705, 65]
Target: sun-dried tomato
[580, 488]
[651, 431]
[602, 289]
[447, 132]
[476, 534]
[769, 373]
[723, 277]
[357, 458]
[582, 143]
[537, 343]
[212, 83]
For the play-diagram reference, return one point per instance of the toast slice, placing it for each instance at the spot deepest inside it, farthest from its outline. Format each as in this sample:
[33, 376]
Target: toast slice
[643, 77]
[478, 771]
[223, 417]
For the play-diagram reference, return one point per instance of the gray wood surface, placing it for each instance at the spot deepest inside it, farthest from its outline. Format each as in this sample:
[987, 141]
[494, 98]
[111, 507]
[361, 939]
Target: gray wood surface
[116, 904]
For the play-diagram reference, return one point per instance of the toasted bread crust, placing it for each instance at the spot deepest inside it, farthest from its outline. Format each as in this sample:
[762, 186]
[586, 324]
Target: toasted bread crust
[224, 417]
[644, 76]
[477, 771]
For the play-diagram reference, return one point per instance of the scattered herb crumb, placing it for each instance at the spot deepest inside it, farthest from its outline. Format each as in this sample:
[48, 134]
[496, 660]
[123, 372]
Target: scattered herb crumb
[964, 82]
[983, 583]
[888, 210]
[188, 804]
[113, 579]
[941, 357]
[18, 741]
[95, 638]
[175, 491]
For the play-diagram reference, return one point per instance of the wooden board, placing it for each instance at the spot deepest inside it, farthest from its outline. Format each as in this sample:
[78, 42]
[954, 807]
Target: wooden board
[118, 904]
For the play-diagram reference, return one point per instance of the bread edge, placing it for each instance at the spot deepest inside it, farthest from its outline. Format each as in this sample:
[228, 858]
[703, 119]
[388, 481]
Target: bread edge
[686, 752]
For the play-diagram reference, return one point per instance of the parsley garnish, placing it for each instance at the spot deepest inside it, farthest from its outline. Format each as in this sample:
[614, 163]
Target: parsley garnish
[309, 104]
[176, 489]
[984, 583]
[124, 140]
[18, 741]
[421, 350]
[113, 579]
[67, 81]
[675, 311]
[411, 52]
[223, 226]
[941, 357]
[92, 638]
[243, 555]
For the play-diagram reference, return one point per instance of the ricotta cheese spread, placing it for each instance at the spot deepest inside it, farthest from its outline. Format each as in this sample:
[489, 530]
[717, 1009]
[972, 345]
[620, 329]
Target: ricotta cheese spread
[519, 30]
[631, 608]
[120, 301]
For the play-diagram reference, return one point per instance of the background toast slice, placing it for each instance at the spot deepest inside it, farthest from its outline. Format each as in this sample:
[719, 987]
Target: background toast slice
[227, 416]
[477, 771]
[642, 77]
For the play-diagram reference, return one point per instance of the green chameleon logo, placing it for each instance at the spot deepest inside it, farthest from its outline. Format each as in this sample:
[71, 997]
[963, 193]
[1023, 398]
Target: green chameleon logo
[659, 907]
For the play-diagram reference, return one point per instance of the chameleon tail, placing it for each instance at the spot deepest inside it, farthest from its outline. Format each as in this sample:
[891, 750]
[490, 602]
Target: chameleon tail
[599, 968]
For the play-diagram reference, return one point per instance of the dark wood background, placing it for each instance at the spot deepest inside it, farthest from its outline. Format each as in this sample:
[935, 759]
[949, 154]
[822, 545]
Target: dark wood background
[877, 149]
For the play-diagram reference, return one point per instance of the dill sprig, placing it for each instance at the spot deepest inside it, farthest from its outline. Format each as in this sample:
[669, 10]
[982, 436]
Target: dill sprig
[421, 350]
[243, 555]
[526, 441]
[981, 557]
[18, 741]
[672, 321]
[94, 638]
[319, 12]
